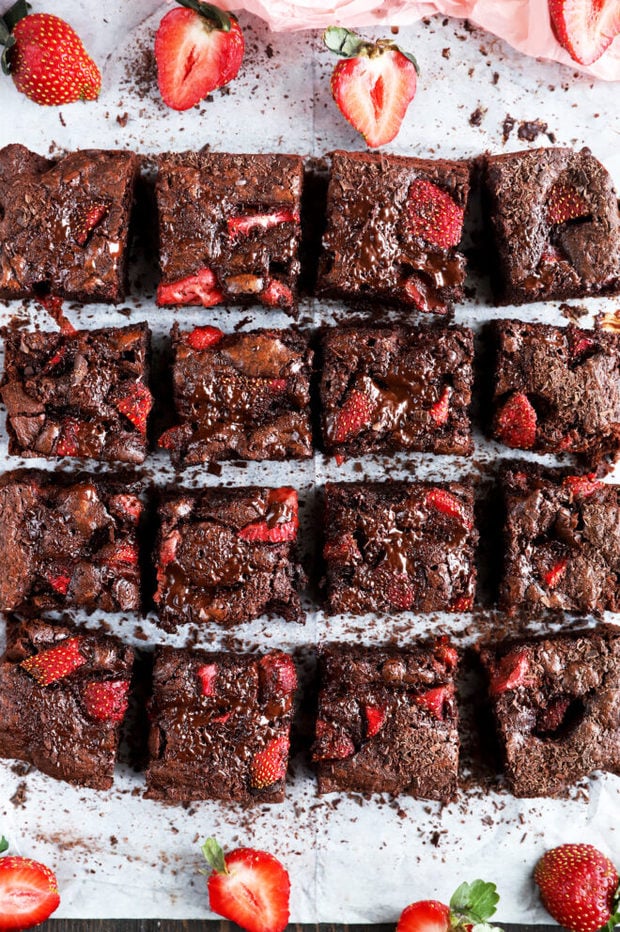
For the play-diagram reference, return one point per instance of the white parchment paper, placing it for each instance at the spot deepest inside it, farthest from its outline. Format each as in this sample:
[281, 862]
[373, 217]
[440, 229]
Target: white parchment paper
[351, 860]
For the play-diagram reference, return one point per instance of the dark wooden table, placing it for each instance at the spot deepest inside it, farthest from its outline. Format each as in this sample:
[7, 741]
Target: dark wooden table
[204, 925]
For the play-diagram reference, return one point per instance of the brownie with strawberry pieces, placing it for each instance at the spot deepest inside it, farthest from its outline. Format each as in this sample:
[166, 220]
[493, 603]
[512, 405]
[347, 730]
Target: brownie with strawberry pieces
[556, 389]
[399, 546]
[64, 223]
[561, 542]
[82, 393]
[387, 720]
[385, 390]
[393, 228]
[240, 395]
[229, 228]
[69, 541]
[63, 698]
[227, 556]
[220, 725]
[554, 221]
[555, 701]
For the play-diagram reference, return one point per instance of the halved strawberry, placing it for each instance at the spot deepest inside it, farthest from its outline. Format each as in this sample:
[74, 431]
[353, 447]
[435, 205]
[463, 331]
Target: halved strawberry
[197, 50]
[269, 765]
[106, 700]
[553, 575]
[433, 215]
[56, 662]
[277, 294]
[243, 226]
[354, 414]
[511, 672]
[440, 411]
[59, 582]
[585, 28]
[207, 674]
[331, 743]
[87, 219]
[249, 887]
[375, 718]
[425, 916]
[471, 905]
[583, 486]
[464, 603]
[434, 700]
[277, 673]
[201, 288]
[399, 591]
[443, 501]
[281, 520]
[202, 338]
[578, 343]
[136, 404]
[28, 893]
[68, 439]
[515, 422]
[564, 202]
[374, 86]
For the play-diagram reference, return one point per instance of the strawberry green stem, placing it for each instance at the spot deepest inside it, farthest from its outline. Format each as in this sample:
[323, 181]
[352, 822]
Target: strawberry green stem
[4, 845]
[348, 44]
[216, 18]
[214, 856]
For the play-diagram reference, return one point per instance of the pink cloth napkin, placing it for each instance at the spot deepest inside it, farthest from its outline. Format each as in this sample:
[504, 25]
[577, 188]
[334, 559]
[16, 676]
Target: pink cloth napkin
[522, 23]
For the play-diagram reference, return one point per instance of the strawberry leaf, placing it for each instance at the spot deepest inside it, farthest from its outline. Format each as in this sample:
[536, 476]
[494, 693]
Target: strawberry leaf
[216, 18]
[410, 57]
[4, 845]
[476, 901]
[343, 42]
[214, 856]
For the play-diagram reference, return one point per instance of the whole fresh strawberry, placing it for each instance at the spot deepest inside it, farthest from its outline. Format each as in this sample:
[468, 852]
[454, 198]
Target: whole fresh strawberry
[28, 892]
[249, 887]
[373, 86]
[471, 905]
[585, 28]
[197, 50]
[46, 58]
[579, 887]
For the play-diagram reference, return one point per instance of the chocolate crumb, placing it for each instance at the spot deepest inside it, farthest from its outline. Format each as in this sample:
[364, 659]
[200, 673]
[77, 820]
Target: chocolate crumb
[507, 126]
[445, 53]
[475, 118]
[530, 130]
[121, 119]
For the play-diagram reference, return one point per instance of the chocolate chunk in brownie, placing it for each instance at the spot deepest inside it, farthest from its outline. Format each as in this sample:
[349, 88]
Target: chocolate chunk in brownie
[64, 223]
[220, 726]
[81, 394]
[387, 720]
[63, 697]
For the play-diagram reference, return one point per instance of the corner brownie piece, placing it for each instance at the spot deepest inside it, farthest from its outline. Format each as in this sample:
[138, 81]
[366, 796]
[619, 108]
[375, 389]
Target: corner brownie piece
[387, 720]
[243, 395]
[556, 389]
[562, 542]
[399, 546]
[81, 394]
[385, 390]
[220, 725]
[69, 541]
[555, 702]
[64, 223]
[555, 222]
[227, 556]
[229, 228]
[63, 697]
[393, 225]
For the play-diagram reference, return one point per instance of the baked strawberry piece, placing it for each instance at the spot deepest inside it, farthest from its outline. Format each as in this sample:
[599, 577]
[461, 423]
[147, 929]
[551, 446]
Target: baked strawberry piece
[399, 546]
[386, 390]
[562, 542]
[69, 541]
[229, 228]
[240, 395]
[393, 228]
[78, 394]
[63, 698]
[227, 556]
[555, 702]
[387, 720]
[220, 725]
[64, 223]
[554, 221]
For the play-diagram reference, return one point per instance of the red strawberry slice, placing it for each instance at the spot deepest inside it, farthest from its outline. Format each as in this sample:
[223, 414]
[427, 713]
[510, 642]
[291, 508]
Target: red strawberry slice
[578, 887]
[207, 674]
[553, 576]
[277, 294]
[249, 887]
[550, 719]
[515, 422]
[440, 411]
[585, 28]
[57, 358]
[89, 217]
[136, 405]
[269, 765]
[277, 386]
[126, 506]
[375, 717]
[511, 672]
[55, 663]
[68, 439]
[433, 215]
[200, 288]
[59, 582]
[578, 343]
[374, 86]
[448, 504]
[126, 554]
[353, 416]
[167, 554]
[331, 743]
[243, 226]
[434, 700]
[281, 521]
[425, 916]
[197, 50]
[464, 603]
[446, 653]
[583, 486]
[399, 591]
[278, 676]
[106, 701]
[202, 338]
[28, 893]
[564, 203]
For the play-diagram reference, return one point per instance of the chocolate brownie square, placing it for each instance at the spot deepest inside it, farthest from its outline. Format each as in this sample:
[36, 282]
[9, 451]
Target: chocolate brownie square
[63, 697]
[82, 394]
[229, 228]
[64, 223]
[220, 725]
[240, 395]
[387, 720]
[562, 542]
[555, 701]
[393, 227]
[69, 541]
[387, 390]
[227, 556]
[399, 546]
[556, 389]
[553, 215]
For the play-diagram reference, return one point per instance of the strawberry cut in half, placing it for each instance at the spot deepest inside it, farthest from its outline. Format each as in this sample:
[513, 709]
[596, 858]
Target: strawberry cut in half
[249, 887]
[202, 338]
[433, 215]
[564, 203]
[471, 905]
[516, 422]
[281, 521]
[197, 50]
[136, 405]
[269, 765]
[200, 289]
[28, 892]
[585, 28]
[106, 701]
[354, 415]
[373, 86]
[55, 663]
[239, 227]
